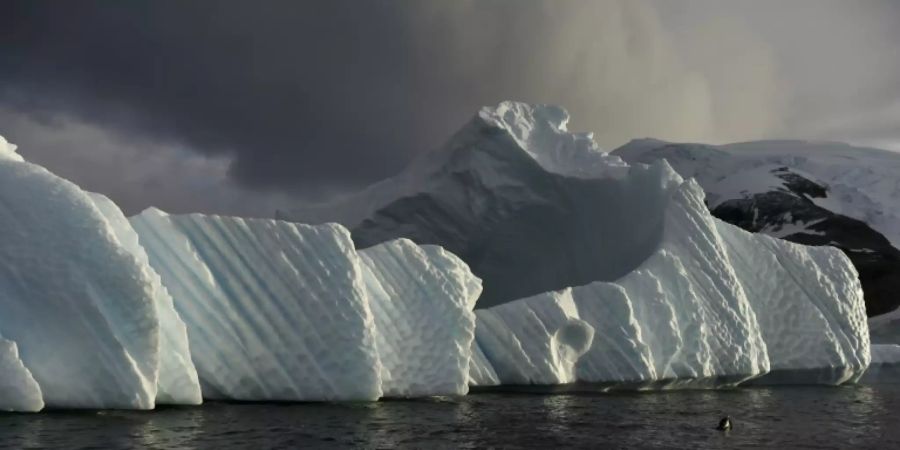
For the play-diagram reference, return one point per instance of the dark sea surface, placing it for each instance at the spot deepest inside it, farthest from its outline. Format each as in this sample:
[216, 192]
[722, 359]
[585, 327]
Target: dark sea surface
[777, 417]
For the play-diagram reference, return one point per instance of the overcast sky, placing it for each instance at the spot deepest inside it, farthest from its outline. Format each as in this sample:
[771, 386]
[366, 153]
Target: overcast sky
[241, 107]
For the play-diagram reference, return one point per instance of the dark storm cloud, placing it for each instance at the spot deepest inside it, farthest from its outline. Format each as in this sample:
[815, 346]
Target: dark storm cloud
[295, 92]
[311, 98]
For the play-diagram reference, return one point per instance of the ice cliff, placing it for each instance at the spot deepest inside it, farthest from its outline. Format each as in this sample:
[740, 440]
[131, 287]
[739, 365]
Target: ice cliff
[280, 311]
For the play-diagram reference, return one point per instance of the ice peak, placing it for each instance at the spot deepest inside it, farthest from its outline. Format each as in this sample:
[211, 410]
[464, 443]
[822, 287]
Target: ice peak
[542, 132]
[154, 212]
[8, 150]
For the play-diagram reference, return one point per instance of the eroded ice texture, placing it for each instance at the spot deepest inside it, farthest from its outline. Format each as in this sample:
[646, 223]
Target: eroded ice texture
[18, 390]
[274, 310]
[809, 306]
[422, 300]
[178, 382]
[78, 306]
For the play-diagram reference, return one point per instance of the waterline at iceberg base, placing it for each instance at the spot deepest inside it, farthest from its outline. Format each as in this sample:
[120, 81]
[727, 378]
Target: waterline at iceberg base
[593, 271]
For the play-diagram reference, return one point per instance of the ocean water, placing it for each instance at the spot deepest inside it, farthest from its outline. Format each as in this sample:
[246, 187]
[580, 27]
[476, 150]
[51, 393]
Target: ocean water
[763, 417]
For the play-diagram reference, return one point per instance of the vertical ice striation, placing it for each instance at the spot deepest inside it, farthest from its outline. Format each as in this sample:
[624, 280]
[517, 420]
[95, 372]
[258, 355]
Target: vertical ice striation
[278, 311]
[274, 310]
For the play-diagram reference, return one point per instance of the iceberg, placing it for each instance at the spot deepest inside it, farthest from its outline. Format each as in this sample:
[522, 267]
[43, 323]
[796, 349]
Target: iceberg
[274, 310]
[599, 271]
[519, 253]
[162, 309]
[77, 306]
[280, 311]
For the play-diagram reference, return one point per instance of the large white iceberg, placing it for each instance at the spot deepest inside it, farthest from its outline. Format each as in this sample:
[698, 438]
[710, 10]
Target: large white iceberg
[593, 270]
[279, 311]
[78, 307]
[274, 310]
[624, 276]
[136, 312]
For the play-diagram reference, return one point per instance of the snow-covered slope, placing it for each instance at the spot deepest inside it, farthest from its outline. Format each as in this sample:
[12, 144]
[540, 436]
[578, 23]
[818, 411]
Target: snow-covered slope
[78, 307]
[178, 383]
[812, 193]
[624, 275]
[809, 306]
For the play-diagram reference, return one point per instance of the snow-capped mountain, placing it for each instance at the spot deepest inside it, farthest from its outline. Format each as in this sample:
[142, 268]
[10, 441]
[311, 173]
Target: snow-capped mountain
[805, 192]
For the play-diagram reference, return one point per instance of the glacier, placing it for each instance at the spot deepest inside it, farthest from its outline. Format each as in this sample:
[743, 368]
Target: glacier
[632, 282]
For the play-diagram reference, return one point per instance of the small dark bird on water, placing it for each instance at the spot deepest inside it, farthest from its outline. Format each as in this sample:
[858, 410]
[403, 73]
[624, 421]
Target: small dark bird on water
[724, 424]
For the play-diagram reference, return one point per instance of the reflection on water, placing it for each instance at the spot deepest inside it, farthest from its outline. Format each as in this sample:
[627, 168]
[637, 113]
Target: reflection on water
[787, 417]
